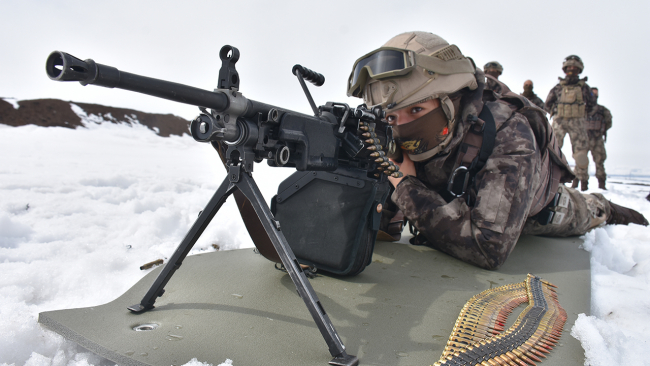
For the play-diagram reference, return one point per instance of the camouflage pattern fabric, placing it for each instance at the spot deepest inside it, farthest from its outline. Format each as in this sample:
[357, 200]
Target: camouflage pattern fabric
[575, 127]
[491, 84]
[534, 99]
[555, 94]
[597, 124]
[485, 231]
[584, 212]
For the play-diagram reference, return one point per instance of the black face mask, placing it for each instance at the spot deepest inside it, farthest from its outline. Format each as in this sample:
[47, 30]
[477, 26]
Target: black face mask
[422, 134]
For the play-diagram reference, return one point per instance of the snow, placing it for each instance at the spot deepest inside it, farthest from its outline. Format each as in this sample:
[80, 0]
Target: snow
[12, 101]
[81, 210]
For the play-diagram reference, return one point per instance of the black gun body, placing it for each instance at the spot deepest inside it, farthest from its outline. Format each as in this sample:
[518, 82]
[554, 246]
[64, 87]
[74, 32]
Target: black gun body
[251, 132]
[310, 139]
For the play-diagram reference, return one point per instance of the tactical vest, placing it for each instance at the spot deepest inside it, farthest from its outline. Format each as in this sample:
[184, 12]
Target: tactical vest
[570, 103]
[554, 168]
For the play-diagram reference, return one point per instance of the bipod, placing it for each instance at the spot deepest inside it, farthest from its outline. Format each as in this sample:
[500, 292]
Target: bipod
[240, 179]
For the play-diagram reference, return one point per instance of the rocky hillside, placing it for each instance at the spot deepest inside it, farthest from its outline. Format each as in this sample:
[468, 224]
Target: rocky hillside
[54, 112]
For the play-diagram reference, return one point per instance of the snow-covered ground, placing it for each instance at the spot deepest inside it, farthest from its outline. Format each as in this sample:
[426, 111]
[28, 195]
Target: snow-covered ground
[81, 210]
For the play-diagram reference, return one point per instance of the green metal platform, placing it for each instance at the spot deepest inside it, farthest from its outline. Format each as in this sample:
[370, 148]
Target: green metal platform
[399, 311]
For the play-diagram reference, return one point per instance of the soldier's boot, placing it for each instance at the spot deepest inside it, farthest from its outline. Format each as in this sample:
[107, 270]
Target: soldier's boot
[575, 183]
[601, 183]
[584, 185]
[620, 215]
[392, 231]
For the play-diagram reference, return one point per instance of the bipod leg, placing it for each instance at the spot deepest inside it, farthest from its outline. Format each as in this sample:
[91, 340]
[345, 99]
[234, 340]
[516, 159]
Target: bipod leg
[175, 261]
[249, 188]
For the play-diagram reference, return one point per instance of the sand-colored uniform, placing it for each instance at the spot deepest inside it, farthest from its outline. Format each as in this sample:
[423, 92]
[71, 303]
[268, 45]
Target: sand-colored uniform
[568, 104]
[597, 124]
[505, 192]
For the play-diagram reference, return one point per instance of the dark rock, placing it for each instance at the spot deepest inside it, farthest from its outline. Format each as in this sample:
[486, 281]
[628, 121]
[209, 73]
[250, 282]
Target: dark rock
[58, 113]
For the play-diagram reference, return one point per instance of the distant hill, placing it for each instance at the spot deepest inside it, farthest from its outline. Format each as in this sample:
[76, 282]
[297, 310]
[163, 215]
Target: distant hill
[59, 113]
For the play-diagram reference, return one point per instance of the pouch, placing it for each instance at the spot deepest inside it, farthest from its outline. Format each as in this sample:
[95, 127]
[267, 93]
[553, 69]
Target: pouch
[331, 219]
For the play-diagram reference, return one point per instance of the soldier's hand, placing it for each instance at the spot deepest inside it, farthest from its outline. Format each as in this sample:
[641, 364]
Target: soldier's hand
[407, 167]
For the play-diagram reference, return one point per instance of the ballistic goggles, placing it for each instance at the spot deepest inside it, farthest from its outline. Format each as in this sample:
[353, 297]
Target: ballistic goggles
[388, 62]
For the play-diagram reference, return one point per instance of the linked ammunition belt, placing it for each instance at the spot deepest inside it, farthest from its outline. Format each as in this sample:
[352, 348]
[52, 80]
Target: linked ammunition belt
[478, 337]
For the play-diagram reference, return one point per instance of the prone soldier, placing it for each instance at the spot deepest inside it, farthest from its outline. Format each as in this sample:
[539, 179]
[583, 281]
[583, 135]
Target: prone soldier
[528, 93]
[597, 124]
[568, 103]
[479, 168]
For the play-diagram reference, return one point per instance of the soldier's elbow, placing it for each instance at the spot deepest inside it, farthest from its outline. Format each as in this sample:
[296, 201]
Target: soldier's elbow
[493, 265]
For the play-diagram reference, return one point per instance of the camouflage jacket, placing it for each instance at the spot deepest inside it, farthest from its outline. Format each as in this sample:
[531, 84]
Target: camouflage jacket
[554, 95]
[535, 99]
[600, 119]
[485, 231]
[491, 83]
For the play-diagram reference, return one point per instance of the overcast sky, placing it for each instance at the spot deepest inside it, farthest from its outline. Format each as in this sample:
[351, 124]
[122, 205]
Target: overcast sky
[180, 41]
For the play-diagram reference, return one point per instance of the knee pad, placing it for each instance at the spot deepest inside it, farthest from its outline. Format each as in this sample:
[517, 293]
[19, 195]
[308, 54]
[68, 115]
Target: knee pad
[581, 158]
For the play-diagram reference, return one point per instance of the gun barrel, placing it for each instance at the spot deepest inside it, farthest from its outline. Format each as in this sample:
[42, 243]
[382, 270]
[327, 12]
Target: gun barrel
[61, 66]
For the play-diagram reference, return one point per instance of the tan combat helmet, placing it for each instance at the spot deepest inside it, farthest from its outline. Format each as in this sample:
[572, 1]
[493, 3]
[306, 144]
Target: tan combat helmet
[411, 68]
[573, 60]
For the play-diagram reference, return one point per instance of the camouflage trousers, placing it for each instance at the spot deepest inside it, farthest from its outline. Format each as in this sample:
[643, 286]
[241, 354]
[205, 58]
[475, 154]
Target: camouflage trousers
[597, 148]
[575, 127]
[583, 213]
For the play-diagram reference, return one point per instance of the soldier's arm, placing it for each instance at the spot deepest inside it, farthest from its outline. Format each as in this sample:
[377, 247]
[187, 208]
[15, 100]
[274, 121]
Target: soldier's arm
[607, 119]
[484, 234]
[589, 98]
[607, 122]
[551, 99]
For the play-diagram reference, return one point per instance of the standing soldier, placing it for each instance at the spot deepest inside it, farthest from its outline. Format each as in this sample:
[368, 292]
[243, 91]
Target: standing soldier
[568, 103]
[493, 69]
[528, 93]
[598, 122]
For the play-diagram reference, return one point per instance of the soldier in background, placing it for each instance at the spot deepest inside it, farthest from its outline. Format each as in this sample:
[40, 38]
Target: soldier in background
[597, 124]
[493, 69]
[528, 93]
[568, 103]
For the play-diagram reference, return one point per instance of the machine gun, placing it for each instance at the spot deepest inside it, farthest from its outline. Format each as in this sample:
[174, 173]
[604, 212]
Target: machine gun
[247, 132]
